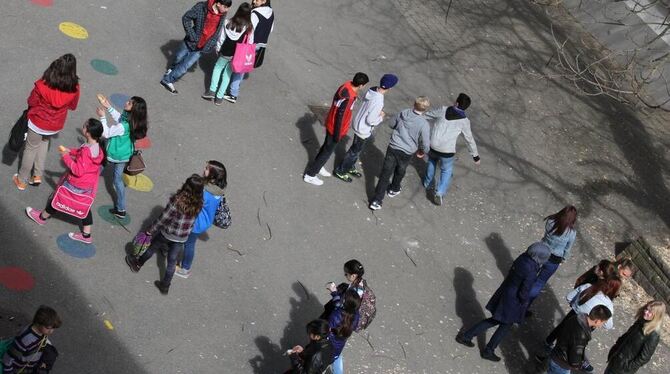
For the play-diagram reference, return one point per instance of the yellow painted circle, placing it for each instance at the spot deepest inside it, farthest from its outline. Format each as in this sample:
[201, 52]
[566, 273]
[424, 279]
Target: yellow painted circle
[139, 182]
[73, 30]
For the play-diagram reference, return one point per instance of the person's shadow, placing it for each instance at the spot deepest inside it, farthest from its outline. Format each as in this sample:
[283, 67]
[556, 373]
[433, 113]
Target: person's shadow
[304, 308]
[308, 139]
[371, 159]
[468, 308]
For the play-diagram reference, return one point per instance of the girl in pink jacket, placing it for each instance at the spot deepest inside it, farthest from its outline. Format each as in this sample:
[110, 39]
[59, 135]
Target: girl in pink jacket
[84, 164]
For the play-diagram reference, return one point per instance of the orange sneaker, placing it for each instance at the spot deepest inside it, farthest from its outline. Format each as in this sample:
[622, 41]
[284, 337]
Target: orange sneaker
[18, 182]
[36, 180]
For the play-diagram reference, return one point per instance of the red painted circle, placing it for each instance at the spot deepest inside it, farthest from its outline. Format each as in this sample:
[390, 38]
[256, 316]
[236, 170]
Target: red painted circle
[44, 3]
[16, 279]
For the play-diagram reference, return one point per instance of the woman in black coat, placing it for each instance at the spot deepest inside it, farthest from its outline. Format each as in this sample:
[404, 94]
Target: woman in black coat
[634, 348]
[509, 303]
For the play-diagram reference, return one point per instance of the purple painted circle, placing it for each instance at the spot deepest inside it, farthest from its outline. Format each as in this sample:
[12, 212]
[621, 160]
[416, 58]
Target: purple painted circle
[75, 248]
[119, 100]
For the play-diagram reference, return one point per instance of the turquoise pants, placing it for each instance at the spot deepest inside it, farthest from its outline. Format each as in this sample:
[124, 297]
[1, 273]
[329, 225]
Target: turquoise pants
[222, 72]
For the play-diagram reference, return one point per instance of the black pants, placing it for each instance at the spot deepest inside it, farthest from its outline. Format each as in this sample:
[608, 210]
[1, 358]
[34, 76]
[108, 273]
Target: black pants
[395, 163]
[158, 243]
[327, 149]
[87, 221]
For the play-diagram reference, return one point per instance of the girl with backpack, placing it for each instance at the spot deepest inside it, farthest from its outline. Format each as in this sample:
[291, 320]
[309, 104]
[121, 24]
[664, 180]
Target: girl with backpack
[171, 229]
[315, 357]
[353, 272]
[54, 94]
[121, 136]
[343, 321]
[84, 164]
[215, 182]
[235, 30]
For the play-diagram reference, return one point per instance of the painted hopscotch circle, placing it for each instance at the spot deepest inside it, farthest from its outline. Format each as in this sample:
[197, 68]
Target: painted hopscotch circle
[139, 182]
[16, 279]
[104, 67]
[73, 30]
[43, 3]
[106, 215]
[75, 248]
[119, 100]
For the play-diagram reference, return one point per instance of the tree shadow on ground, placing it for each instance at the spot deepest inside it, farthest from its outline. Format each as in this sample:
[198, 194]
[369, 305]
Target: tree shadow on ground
[468, 308]
[271, 359]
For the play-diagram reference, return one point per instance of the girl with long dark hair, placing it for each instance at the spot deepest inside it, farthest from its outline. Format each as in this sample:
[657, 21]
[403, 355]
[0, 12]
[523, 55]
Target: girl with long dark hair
[343, 321]
[53, 95]
[121, 136]
[172, 228]
[315, 357]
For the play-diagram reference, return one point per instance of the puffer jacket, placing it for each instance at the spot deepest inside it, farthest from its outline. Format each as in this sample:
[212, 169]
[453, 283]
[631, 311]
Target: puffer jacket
[632, 350]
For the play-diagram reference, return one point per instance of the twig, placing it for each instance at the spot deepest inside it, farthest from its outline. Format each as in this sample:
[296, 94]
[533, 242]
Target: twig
[119, 222]
[230, 248]
[367, 339]
[258, 216]
[410, 258]
[404, 353]
[448, 8]
[264, 200]
[269, 230]
[304, 289]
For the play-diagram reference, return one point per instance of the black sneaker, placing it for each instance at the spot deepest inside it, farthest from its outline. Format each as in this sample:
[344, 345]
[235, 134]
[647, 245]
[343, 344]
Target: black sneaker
[489, 355]
[230, 98]
[169, 87]
[375, 205]
[343, 176]
[355, 173]
[118, 213]
[460, 339]
[218, 101]
[437, 199]
[163, 289]
[208, 95]
[132, 263]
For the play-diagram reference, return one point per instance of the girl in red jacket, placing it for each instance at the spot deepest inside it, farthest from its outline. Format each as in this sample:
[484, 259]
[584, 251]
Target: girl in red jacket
[54, 94]
[84, 164]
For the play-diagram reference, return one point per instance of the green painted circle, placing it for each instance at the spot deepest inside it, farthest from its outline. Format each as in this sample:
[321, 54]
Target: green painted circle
[104, 67]
[104, 213]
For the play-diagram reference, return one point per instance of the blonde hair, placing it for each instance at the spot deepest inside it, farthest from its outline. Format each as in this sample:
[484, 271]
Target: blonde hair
[421, 104]
[658, 309]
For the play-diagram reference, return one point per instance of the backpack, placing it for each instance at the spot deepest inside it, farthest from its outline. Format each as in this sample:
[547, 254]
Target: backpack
[368, 309]
[222, 218]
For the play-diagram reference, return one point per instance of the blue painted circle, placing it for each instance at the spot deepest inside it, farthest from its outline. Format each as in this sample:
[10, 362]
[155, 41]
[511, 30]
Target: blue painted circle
[75, 248]
[119, 100]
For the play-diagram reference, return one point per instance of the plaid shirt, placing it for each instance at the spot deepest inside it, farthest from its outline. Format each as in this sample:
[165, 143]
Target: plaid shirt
[174, 225]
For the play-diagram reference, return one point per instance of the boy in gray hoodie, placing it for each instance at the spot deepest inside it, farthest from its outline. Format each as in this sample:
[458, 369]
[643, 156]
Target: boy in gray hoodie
[411, 134]
[368, 117]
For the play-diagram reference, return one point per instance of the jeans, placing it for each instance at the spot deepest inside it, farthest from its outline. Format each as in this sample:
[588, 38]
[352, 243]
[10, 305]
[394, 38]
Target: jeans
[446, 167]
[34, 155]
[327, 149]
[338, 365]
[395, 163]
[183, 60]
[237, 78]
[189, 251]
[119, 186]
[158, 242]
[554, 368]
[546, 271]
[222, 72]
[486, 324]
[350, 158]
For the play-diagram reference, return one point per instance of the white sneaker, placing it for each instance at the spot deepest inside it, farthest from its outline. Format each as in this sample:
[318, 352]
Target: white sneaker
[324, 173]
[312, 180]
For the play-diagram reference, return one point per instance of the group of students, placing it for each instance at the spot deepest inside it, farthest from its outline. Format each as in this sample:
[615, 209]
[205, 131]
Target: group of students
[591, 306]
[412, 135]
[207, 28]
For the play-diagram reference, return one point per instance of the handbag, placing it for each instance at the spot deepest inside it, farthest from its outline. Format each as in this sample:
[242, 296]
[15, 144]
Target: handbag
[73, 203]
[141, 242]
[17, 137]
[244, 57]
[222, 218]
[135, 165]
[260, 56]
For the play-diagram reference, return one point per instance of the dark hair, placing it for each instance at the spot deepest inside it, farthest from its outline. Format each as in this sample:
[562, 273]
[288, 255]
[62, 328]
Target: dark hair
[563, 220]
[318, 327]
[188, 198]
[360, 79]
[47, 317]
[463, 101]
[625, 262]
[600, 313]
[94, 128]
[137, 118]
[61, 75]
[609, 287]
[354, 267]
[227, 3]
[217, 174]
[349, 309]
[241, 19]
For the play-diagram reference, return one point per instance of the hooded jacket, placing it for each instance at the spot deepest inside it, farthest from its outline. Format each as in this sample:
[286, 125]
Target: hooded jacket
[410, 128]
[369, 114]
[211, 196]
[47, 107]
[84, 164]
[262, 19]
[193, 22]
[228, 39]
[446, 130]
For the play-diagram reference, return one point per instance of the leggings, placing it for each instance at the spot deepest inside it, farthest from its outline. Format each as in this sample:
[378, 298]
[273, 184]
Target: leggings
[87, 221]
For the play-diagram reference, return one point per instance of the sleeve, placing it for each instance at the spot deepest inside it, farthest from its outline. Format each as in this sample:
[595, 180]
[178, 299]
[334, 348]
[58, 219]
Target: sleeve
[222, 36]
[296, 363]
[114, 130]
[470, 141]
[568, 245]
[114, 113]
[254, 19]
[187, 20]
[250, 32]
[575, 293]
[435, 113]
[648, 349]
[525, 287]
[394, 124]
[425, 137]
[576, 354]
[342, 103]
[75, 100]
[33, 98]
[374, 116]
[78, 165]
[315, 365]
[162, 220]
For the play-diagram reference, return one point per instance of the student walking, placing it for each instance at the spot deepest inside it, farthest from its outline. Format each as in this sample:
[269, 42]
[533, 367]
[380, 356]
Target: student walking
[53, 95]
[315, 357]
[236, 30]
[450, 122]
[342, 321]
[635, 348]
[411, 134]
[337, 125]
[215, 182]
[262, 21]
[369, 115]
[121, 136]
[81, 180]
[171, 229]
[509, 303]
[202, 24]
[31, 351]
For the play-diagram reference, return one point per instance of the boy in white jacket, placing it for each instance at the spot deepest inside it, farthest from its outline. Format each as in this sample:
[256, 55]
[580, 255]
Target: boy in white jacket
[368, 117]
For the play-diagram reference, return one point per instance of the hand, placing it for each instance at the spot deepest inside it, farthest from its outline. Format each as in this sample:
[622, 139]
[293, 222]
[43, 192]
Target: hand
[100, 112]
[102, 99]
[331, 287]
[63, 150]
[297, 349]
[383, 114]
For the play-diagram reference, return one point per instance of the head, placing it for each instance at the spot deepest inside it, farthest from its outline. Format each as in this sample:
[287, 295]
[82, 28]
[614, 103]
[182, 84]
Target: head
[563, 220]
[353, 271]
[539, 252]
[136, 108]
[317, 329]
[359, 81]
[215, 173]
[421, 104]
[188, 198]
[388, 81]
[92, 129]
[652, 314]
[260, 3]
[46, 320]
[598, 316]
[463, 101]
[221, 6]
[241, 19]
[605, 269]
[625, 268]
[609, 287]
[61, 75]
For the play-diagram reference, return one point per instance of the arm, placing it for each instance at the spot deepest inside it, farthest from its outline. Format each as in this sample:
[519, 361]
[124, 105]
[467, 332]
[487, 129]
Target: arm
[576, 354]
[568, 245]
[188, 21]
[163, 219]
[648, 349]
[78, 165]
[425, 137]
[342, 103]
[75, 100]
[470, 141]
[435, 113]
[572, 294]
[525, 287]
[374, 116]
[33, 98]
[222, 36]
[114, 130]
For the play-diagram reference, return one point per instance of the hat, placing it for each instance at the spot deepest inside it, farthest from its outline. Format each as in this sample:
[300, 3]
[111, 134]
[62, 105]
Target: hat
[388, 81]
